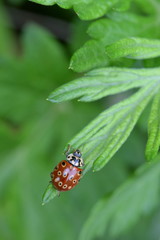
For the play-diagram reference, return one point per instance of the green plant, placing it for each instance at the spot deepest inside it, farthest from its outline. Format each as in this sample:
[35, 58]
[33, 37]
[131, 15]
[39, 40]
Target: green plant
[122, 54]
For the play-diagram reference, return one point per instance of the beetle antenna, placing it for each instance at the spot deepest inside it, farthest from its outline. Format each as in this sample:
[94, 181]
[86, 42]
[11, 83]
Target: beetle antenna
[68, 150]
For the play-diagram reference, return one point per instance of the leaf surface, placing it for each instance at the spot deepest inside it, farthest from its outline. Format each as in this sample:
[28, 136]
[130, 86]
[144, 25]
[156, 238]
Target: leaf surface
[103, 82]
[133, 199]
[107, 31]
[88, 9]
[135, 48]
[102, 138]
[153, 143]
[28, 77]
[49, 194]
[91, 55]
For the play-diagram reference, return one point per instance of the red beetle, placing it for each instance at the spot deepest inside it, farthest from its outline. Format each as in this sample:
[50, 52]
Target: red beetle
[67, 173]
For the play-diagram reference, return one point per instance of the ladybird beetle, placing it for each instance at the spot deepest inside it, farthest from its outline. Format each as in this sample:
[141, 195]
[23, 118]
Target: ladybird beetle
[67, 173]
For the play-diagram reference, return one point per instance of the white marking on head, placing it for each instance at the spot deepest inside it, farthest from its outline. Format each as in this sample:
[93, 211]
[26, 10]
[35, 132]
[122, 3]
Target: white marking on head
[69, 157]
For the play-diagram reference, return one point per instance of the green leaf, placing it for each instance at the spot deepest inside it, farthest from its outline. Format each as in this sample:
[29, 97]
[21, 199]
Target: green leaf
[122, 25]
[148, 6]
[45, 2]
[49, 194]
[93, 9]
[102, 138]
[88, 9]
[89, 56]
[120, 211]
[106, 31]
[136, 48]
[62, 3]
[122, 5]
[153, 143]
[39, 46]
[103, 82]
[29, 77]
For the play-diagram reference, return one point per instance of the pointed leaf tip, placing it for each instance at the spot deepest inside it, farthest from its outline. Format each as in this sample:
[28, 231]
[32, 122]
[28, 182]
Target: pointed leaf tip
[50, 99]
[49, 194]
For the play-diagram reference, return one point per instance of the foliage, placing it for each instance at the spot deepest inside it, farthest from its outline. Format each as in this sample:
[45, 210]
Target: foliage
[131, 200]
[88, 9]
[103, 82]
[136, 48]
[122, 58]
[49, 194]
[153, 143]
[117, 121]
[106, 31]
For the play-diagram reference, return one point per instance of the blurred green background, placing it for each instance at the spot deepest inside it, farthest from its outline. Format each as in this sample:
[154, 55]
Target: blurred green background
[36, 44]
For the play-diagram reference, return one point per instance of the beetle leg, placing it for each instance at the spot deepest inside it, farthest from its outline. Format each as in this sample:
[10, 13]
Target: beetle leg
[51, 175]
